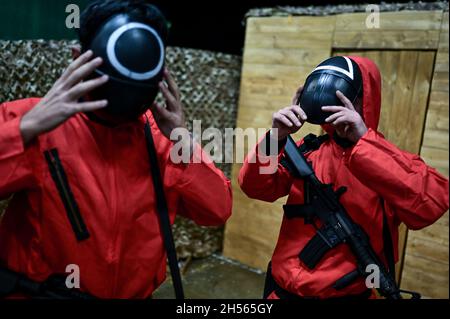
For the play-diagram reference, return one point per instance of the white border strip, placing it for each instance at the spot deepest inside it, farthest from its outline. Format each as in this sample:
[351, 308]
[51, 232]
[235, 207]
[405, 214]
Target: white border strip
[348, 73]
[110, 50]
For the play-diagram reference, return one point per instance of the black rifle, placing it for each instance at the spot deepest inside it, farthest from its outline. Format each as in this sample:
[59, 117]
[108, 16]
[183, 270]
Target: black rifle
[53, 288]
[337, 227]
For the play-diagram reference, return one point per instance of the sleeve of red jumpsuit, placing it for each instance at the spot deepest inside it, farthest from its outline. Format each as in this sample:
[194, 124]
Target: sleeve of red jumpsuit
[15, 170]
[206, 196]
[256, 183]
[417, 192]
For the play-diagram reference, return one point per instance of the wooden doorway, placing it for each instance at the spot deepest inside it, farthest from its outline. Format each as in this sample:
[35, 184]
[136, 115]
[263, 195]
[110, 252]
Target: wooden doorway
[406, 81]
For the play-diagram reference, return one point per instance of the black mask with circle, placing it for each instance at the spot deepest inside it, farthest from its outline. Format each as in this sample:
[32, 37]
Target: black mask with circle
[336, 73]
[133, 57]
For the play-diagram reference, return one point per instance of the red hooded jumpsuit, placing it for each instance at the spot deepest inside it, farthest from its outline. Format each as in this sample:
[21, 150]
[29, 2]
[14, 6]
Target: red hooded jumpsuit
[373, 169]
[108, 172]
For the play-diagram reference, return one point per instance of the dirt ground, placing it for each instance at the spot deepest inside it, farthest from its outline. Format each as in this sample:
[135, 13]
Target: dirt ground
[216, 277]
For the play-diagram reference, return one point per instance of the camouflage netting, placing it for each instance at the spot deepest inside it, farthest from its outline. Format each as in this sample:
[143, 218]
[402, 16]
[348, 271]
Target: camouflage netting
[209, 84]
[312, 10]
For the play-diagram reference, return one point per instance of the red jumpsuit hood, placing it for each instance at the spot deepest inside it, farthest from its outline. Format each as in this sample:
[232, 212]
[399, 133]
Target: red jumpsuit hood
[371, 93]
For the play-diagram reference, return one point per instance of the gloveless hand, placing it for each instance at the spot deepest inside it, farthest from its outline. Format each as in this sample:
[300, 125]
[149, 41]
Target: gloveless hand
[62, 101]
[289, 119]
[346, 120]
[171, 116]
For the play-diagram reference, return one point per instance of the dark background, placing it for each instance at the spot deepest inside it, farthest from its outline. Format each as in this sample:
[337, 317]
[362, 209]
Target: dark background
[211, 25]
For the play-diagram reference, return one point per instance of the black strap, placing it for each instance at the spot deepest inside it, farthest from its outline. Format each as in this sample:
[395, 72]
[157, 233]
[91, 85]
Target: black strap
[312, 142]
[161, 206]
[388, 248]
[388, 245]
[54, 287]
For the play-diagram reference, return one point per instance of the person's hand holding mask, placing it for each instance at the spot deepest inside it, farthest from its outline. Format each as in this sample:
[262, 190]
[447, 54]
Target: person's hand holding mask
[345, 119]
[171, 116]
[63, 99]
[289, 119]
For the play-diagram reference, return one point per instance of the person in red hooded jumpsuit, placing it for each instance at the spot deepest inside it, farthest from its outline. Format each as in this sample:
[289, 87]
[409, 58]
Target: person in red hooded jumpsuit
[380, 179]
[104, 218]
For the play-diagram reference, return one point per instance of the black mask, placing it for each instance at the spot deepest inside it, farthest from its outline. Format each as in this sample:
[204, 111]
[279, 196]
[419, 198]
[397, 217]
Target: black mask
[336, 73]
[133, 58]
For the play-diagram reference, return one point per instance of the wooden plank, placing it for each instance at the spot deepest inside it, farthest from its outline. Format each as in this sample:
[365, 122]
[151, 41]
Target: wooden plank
[427, 259]
[439, 99]
[443, 42]
[428, 277]
[289, 56]
[274, 71]
[436, 138]
[437, 158]
[313, 40]
[422, 246]
[437, 234]
[440, 81]
[437, 117]
[388, 72]
[397, 131]
[254, 102]
[419, 99]
[295, 24]
[444, 25]
[443, 221]
[281, 93]
[441, 64]
[386, 40]
[393, 21]
[398, 30]
[443, 38]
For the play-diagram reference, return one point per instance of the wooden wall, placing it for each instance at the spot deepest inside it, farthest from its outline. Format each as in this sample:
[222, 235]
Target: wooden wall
[426, 262]
[281, 51]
